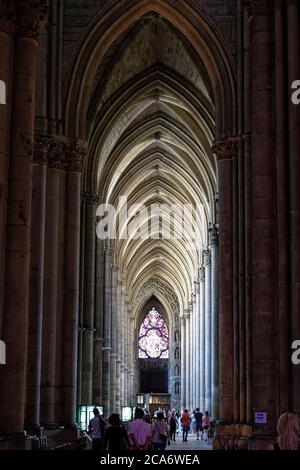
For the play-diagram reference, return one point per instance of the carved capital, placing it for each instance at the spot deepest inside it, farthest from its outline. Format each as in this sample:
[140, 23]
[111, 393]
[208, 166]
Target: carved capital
[75, 152]
[55, 156]
[90, 198]
[29, 16]
[8, 16]
[40, 150]
[213, 236]
[257, 7]
[206, 257]
[202, 274]
[226, 150]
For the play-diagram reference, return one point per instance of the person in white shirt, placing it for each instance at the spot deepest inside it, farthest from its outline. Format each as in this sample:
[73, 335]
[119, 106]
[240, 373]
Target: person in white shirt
[96, 428]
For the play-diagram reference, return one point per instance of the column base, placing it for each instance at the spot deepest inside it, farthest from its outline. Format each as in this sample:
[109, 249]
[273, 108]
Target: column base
[232, 436]
[63, 436]
[16, 441]
[260, 441]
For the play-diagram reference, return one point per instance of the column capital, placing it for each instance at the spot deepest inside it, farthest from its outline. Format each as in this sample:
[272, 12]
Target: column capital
[206, 257]
[197, 286]
[90, 198]
[186, 313]
[182, 320]
[8, 17]
[257, 7]
[75, 152]
[226, 149]
[213, 236]
[29, 16]
[201, 274]
[41, 148]
[190, 304]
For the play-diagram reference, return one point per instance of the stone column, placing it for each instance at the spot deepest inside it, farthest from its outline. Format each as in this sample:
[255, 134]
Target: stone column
[50, 299]
[6, 75]
[118, 346]
[75, 152]
[16, 288]
[197, 346]
[183, 361]
[202, 338]
[187, 359]
[208, 357]
[293, 36]
[107, 329]
[113, 357]
[194, 345]
[36, 287]
[99, 315]
[90, 205]
[264, 387]
[213, 245]
[191, 357]
[122, 354]
[225, 151]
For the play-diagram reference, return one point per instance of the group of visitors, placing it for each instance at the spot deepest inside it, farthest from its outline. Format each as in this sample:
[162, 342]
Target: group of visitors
[141, 434]
[200, 424]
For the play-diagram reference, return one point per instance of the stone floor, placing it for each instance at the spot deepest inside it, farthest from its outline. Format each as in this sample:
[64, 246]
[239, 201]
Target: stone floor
[191, 444]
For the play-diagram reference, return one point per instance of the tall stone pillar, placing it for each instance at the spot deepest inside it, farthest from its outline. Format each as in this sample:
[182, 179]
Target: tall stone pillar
[99, 316]
[187, 359]
[264, 387]
[197, 346]
[194, 346]
[6, 73]
[16, 288]
[225, 151]
[90, 205]
[202, 337]
[191, 354]
[213, 246]
[55, 174]
[118, 347]
[113, 357]
[183, 362]
[293, 34]
[75, 154]
[208, 357]
[106, 351]
[37, 242]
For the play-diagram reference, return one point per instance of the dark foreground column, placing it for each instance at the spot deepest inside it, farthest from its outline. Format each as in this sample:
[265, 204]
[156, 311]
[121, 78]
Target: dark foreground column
[76, 152]
[16, 288]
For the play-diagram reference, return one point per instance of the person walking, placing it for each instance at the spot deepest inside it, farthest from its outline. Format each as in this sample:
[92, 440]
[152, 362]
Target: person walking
[116, 437]
[160, 433]
[139, 432]
[96, 430]
[185, 423]
[206, 425]
[173, 426]
[199, 426]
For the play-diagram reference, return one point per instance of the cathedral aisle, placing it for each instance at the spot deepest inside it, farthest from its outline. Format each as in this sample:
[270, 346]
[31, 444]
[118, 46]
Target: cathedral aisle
[191, 444]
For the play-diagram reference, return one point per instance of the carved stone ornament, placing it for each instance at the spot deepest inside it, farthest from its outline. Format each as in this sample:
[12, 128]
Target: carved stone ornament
[257, 7]
[29, 16]
[213, 236]
[40, 150]
[152, 286]
[75, 152]
[226, 150]
[59, 152]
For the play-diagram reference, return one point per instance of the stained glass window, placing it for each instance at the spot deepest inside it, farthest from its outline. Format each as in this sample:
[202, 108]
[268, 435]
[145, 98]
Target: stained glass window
[154, 336]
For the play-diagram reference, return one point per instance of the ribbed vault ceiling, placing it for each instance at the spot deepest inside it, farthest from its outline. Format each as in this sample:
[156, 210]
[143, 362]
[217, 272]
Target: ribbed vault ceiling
[151, 127]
